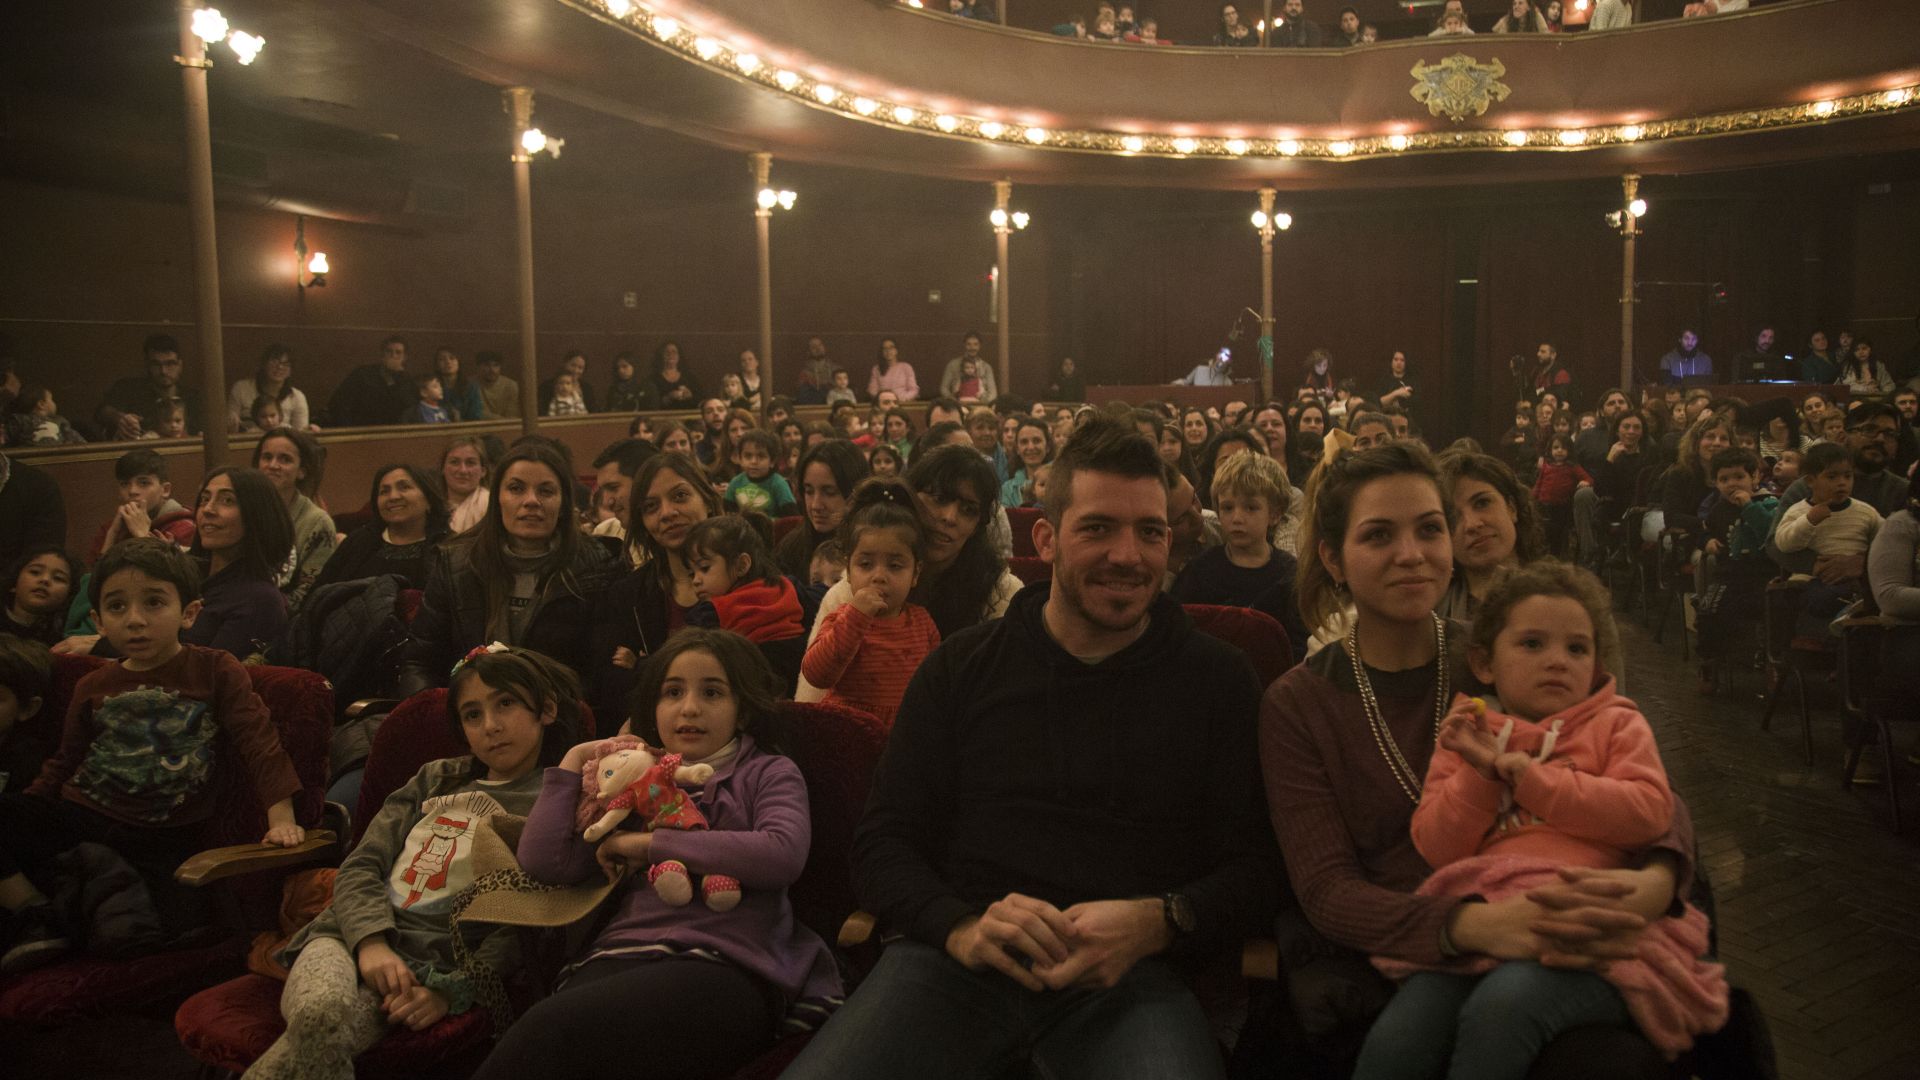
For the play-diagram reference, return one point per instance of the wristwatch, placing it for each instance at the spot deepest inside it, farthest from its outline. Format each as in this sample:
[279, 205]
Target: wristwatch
[1179, 913]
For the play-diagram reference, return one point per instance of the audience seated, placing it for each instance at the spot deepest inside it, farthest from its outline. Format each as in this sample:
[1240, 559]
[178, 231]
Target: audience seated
[411, 522]
[376, 394]
[273, 380]
[296, 463]
[532, 602]
[524, 576]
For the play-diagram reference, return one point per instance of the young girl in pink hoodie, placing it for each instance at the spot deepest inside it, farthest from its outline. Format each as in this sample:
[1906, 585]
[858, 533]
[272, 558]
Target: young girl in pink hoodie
[1560, 772]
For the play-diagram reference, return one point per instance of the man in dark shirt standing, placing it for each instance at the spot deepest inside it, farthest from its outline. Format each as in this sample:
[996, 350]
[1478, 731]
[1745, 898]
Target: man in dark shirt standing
[1068, 812]
[375, 394]
[133, 405]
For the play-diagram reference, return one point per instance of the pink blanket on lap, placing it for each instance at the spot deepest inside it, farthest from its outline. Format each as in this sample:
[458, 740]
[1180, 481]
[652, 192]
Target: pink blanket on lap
[1671, 993]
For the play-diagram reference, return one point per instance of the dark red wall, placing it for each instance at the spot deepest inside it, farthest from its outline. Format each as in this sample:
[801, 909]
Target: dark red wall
[1137, 286]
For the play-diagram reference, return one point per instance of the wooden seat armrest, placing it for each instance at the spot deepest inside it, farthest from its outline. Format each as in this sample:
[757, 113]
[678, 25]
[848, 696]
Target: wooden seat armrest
[1260, 959]
[225, 862]
[857, 930]
[368, 706]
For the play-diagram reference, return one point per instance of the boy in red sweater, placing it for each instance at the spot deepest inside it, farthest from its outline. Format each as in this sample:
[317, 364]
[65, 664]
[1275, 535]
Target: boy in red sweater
[147, 507]
[138, 751]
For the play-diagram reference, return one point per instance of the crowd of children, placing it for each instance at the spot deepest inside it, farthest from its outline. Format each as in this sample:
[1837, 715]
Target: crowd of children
[176, 597]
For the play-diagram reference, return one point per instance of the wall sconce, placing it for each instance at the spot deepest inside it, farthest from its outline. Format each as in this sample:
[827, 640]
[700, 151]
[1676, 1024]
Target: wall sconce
[314, 264]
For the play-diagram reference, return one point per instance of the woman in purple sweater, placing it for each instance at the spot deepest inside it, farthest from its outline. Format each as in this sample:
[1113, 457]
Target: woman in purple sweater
[1345, 740]
[724, 983]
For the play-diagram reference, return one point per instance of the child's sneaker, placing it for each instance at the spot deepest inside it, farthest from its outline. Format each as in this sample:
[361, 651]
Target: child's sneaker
[37, 939]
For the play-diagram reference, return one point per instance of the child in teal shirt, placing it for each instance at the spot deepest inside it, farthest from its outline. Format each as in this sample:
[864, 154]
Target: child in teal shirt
[758, 487]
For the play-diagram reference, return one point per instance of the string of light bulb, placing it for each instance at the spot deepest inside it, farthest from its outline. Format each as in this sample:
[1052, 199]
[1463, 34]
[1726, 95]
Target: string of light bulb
[705, 48]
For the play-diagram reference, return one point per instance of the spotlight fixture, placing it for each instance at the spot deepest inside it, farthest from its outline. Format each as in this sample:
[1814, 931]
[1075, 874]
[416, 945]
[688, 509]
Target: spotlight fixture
[209, 25]
[1004, 221]
[768, 198]
[1281, 221]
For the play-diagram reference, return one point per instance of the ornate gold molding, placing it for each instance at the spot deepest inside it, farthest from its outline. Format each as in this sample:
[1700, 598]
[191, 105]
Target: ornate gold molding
[1459, 86]
[717, 54]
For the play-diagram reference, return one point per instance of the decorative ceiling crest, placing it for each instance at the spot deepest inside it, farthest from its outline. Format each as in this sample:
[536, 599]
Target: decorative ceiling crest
[1459, 86]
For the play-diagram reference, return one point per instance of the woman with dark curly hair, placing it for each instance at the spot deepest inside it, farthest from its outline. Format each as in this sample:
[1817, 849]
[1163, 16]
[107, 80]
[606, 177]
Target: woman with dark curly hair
[1496, 525]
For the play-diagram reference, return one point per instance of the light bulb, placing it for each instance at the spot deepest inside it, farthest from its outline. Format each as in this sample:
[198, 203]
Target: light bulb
[1340, 148]
[1133, 144]
[787, 79]
[998, 217]
[209, 25]
[1630, 133]
[1259, 219]
[903, 115]
[1573, 137]
[827, 94]
[317, 264]
[1398, 142]
[747, 62]
[1185, 145]
[533, 140]
[915, 4]
[865, 106]
[666, 26]
[1638, 208]
[1020, 219]
[1236, 147]
[767, 197]
[946, 123]
[1036, 135]
[706, 47]
[1283, 222]
[1516, 138]
[992, 129]
[1896, 97]
[1823, 108]
[1289, 147]
[245, 46]
[619, 9]
[787, 199]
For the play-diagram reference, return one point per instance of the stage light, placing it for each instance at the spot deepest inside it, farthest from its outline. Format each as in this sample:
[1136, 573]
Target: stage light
[209, 25]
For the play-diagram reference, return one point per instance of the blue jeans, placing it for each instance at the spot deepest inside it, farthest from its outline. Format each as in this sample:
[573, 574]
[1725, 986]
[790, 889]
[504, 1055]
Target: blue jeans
[922, 1015]
[1482, 1027]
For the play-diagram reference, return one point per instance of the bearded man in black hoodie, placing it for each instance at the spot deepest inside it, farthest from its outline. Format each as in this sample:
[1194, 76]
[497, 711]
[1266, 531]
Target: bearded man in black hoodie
[1068, 816]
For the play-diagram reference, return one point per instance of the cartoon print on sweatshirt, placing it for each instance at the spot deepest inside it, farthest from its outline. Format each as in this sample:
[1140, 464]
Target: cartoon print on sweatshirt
[434, 865]
[153, 755]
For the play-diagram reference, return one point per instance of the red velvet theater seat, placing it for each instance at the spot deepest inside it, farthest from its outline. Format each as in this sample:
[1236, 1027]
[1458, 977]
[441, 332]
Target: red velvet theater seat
[1255, 633]
[301, 703]
[230, 1025]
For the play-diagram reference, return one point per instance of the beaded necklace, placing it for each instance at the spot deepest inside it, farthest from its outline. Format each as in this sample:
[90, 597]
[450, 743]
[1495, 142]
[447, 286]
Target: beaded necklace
[1409, 781]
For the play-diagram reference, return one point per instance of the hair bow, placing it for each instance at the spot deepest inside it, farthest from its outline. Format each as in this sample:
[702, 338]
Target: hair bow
[476, 653]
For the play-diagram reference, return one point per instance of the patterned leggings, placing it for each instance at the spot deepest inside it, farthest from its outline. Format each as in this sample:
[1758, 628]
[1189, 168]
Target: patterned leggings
[331, 1017]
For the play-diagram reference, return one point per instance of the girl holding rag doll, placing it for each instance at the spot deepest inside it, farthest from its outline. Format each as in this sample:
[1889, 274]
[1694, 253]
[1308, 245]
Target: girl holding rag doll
[718, 974]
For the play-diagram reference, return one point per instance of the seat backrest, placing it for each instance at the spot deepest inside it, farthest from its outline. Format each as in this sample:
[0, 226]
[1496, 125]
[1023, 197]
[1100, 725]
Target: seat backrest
[784, 525]
[837, 750]
[1020, 519]
[1255, 633]
[414, 733]
[1030, 569]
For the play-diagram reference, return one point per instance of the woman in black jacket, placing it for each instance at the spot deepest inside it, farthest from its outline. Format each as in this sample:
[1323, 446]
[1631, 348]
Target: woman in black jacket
[1688, 482]
[635, 613]
[524, 576]
[826, 475]
[412, 521]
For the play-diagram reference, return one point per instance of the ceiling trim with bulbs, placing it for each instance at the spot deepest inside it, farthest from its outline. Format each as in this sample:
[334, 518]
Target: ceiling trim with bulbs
[712, 49]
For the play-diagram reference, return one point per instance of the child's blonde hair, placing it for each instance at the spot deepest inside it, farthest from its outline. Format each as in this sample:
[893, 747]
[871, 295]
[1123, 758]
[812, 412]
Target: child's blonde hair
[1252, 475]
[1549, 577]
